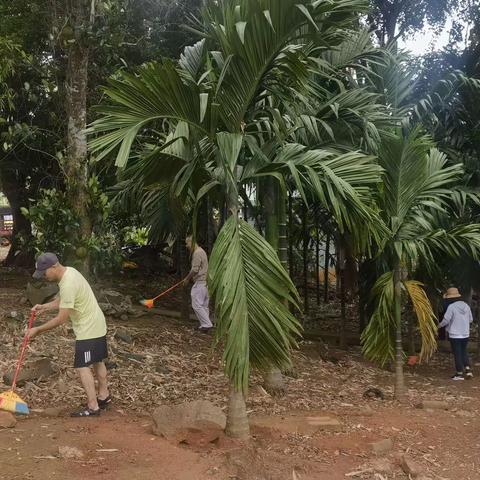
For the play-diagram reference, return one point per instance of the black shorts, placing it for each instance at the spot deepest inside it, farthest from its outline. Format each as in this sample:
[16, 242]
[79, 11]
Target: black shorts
[90, 351]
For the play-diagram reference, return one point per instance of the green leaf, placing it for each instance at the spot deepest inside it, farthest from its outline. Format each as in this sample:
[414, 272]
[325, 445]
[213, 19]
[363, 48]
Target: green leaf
[251, 290]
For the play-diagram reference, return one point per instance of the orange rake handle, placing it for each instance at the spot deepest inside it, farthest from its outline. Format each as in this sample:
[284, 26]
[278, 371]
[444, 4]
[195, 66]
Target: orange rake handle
[168, 290]
[23, 349]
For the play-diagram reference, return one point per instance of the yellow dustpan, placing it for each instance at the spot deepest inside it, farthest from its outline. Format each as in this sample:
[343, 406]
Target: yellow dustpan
[10, 401]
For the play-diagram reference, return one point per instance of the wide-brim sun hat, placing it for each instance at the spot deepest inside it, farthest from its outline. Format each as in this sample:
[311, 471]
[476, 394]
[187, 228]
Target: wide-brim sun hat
[452, 293]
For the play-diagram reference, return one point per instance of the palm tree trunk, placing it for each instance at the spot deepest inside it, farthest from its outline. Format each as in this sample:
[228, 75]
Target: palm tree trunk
[317, 259]
[326, 268]
[273, 380]
[305, 259]
[399, 376]
[343, 300]
[290, 236]
[237, 420]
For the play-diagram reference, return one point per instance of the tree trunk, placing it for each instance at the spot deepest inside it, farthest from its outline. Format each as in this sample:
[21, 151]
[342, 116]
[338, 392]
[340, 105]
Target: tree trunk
[20, 254]
[76, 89]
[317, 259]
[399, 377]
[290, 236]
[237, 420]
[326, 269]
[305, 259]
[273, 381]
[282, 230]
[411, 335]
[341, 267]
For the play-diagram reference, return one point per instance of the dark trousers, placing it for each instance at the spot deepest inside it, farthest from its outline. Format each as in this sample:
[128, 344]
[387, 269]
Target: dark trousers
[459, 349]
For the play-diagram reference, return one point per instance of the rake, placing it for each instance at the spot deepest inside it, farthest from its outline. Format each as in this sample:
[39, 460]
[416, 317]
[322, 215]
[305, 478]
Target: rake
[150, 301]
[10, 401]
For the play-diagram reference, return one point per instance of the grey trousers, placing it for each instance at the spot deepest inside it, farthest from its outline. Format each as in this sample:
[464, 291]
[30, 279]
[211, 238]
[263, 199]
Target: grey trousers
[200, 301]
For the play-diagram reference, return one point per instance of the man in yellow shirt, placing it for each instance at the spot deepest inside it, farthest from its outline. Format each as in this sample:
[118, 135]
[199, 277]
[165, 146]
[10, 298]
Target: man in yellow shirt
[77, 301]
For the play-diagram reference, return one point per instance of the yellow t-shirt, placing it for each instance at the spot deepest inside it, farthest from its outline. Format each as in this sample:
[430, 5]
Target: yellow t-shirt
[88, 320]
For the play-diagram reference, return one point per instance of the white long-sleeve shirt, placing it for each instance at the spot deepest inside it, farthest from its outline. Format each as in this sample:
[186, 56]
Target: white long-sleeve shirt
[457, 319]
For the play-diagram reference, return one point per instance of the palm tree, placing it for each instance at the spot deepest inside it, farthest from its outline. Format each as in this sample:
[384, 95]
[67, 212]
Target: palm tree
[417, 193]
[211, 108]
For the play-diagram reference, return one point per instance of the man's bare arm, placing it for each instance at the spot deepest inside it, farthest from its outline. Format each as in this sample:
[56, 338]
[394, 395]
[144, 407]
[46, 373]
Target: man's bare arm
[60, 319]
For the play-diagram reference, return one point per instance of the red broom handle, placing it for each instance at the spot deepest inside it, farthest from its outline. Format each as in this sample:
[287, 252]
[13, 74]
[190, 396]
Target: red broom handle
[23, 349]
[167, 291]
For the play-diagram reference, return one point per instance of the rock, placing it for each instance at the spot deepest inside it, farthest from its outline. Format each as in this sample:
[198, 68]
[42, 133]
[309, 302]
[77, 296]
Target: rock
[124, 336]
[7, 420]
[160, 368]
[53, 412]
[70, 452]
[373, 393]
[41, 292]
[434, 405]
[111, 297]
[129, 355]
[198, 421]
[361, 412]
[381, 447]
[18, 317]
[31, 371]
[409, 467]
[124, 317]
[382, 465]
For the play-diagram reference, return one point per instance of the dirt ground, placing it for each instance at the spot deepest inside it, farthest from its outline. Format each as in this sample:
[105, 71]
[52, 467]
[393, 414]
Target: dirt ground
[286, 443]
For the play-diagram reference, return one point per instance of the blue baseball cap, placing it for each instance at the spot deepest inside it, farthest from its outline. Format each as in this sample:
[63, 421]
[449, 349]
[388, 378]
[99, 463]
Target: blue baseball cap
[44, 262]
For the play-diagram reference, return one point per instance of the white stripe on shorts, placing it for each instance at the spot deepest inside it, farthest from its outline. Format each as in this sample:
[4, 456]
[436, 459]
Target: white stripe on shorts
[87, 356]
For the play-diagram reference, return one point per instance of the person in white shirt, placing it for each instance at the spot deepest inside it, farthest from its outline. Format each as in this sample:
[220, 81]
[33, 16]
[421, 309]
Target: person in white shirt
[457, 320]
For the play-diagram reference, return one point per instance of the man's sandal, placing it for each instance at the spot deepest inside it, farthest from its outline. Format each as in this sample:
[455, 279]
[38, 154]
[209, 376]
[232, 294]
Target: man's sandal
[105, 402]
[87, 412]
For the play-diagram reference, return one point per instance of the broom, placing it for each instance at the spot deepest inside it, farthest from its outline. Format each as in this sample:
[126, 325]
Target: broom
[149, 302]
[10, 401]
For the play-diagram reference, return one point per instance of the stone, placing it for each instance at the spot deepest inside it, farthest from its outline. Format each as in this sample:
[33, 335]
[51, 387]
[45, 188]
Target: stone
[7, 420]
[199, 422]
[124, 336]
[18, 317]
[53, 412]
[381, 447]
[162, 369]
[409, 467]
[129, 356]
[124, 317]
[41, 292]
[111, 297]
[31, 371]
[382, 465]
[70, 452]
[434, 405]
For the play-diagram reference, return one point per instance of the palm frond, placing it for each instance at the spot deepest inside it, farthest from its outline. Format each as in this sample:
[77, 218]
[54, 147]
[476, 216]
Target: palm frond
[378, 339]
[251, 289]
[425, 316]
